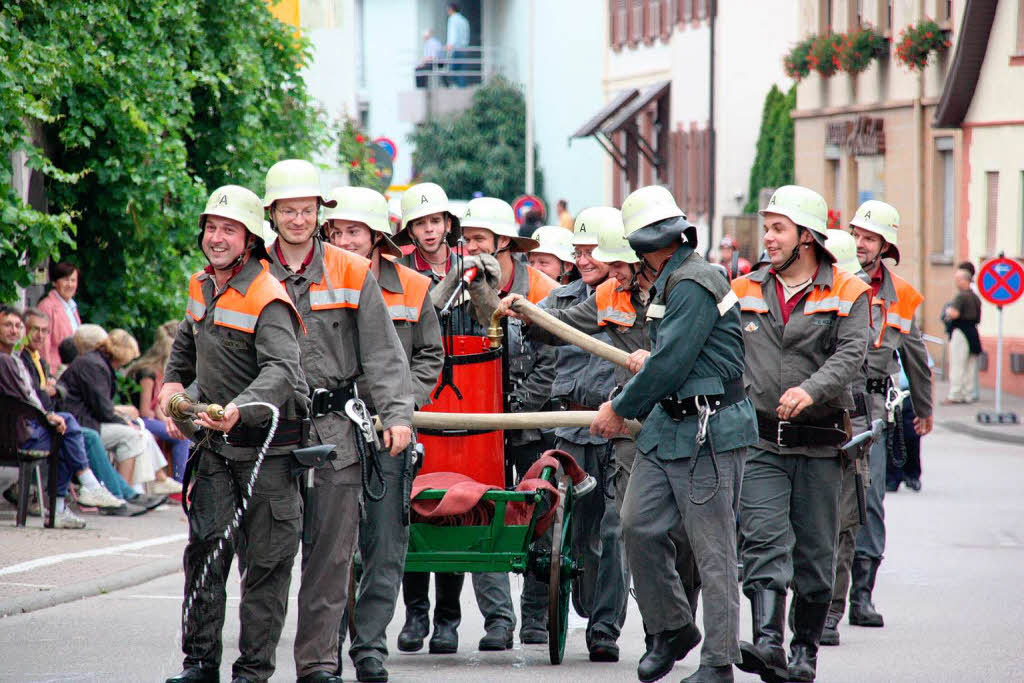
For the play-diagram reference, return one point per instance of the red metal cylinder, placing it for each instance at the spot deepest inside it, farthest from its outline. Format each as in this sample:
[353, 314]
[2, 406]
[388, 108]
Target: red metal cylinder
[476, 373]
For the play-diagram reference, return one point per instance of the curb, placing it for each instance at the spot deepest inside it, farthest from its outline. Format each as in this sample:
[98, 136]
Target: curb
[982, 433]
[86, 589]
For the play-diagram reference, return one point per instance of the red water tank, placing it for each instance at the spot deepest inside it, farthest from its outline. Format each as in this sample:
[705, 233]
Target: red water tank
[476, 375]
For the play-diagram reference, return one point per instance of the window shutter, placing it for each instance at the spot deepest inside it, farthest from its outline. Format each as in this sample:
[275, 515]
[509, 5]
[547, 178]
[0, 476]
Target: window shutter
[991, 211]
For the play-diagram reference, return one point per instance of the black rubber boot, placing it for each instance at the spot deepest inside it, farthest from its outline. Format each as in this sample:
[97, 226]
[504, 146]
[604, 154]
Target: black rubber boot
[830, 635]
[766, 656]
[711, 674]
[415, 595]
[862, 583]
[668, 647]
[447, 613]
[809, 622]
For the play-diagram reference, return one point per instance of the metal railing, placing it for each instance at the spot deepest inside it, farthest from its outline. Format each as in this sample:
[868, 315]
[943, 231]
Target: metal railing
[463, 67]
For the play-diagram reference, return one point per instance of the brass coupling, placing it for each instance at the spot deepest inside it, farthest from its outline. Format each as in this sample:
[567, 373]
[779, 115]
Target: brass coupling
[181, 407]
[494, 332]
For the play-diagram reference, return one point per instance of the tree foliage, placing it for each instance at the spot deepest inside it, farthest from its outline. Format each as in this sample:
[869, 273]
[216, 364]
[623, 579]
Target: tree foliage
[145, 107]
[482, 149]
[773, 161]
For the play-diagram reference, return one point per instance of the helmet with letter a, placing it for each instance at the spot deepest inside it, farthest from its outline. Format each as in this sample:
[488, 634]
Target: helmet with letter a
[652, 220]
[805, 207]
[883, 220]
[424, 199]
[237, 203]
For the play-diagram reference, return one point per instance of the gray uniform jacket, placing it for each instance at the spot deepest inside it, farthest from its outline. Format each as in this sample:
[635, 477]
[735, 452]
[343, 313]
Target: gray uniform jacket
[883, 347]
[421, 339]
[819, 350]
[531, 366]
[697, 348]
[343, 343]
[231, 366]
[580, 377]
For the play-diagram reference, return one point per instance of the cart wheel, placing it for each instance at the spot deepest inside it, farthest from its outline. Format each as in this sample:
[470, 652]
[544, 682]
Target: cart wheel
[560, 583]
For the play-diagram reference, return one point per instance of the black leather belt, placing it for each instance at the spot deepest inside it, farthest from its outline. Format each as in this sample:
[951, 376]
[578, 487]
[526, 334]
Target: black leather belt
[330, 400]
[878, 385]
[678, 409]
[289, 433]
[828, 431]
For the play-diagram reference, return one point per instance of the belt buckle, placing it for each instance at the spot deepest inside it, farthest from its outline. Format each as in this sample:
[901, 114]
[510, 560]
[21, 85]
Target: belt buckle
[778, 433]
[319, 402]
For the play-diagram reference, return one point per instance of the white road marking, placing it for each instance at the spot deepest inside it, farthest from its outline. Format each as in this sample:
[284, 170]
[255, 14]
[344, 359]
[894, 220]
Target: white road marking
[27, 585]
[97, 552]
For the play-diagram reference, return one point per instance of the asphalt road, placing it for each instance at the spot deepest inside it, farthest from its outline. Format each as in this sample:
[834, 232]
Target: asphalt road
[950, 590]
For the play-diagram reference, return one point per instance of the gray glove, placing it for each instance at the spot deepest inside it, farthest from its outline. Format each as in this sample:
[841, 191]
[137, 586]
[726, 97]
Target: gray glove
[488, 278]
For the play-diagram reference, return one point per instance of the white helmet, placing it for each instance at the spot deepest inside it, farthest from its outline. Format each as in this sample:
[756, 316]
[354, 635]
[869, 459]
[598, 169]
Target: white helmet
[554, 240]
[497, 216]
[604, 225]
[883, 220]
[843, 248]
[803, 206]
[293, 179]
[652, 220]
[366, 206]
[422, 200]
[238, 204]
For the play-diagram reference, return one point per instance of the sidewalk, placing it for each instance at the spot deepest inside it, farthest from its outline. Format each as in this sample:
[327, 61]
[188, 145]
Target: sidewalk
[962, 418]
[41, 567]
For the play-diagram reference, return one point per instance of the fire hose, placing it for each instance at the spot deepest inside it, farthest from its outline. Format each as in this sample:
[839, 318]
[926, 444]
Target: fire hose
[490, 421]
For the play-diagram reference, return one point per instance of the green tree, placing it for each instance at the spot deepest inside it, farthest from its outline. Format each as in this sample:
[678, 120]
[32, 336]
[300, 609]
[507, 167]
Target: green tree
[145, 107]
[773, 160]
[482, 149]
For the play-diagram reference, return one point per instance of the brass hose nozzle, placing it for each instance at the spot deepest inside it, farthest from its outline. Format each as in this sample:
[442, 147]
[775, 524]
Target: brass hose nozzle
[181, 407]
[494, 332]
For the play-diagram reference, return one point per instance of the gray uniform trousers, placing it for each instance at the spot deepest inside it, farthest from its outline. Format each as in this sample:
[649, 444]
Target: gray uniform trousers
[383, 542]
[871, 537]
[597, 540]
[789, 521]
[266, 544]
[660, 522]
[326, 567]
[849, 522]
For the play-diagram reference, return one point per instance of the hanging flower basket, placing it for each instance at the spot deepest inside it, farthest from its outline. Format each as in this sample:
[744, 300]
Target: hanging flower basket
[916, 44]
[859, 48]
[796, 63]
[824, 54]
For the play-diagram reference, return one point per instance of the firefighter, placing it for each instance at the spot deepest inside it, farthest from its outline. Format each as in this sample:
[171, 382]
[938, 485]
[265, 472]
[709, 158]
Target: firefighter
[894, 303]
[428, 223]
[238, 343]
[843, 247]
[805, 328]
[350, 336]
[582, 382]
[554, 256]
[690, 452]
[729, 258]
[491, 236]
[359, 224]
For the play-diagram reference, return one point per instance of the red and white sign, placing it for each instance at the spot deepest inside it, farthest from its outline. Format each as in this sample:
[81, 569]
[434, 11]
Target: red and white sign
[1001, 281]
[524, 204]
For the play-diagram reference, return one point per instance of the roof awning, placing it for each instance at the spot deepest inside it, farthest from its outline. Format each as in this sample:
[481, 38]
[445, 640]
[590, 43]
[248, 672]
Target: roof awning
[621, 115]
[962, 80]
[607, 111]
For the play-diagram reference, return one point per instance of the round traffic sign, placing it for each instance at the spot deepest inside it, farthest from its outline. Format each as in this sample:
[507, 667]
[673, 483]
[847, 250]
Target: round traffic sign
[524, 204]
[389, 146]
[1001, 281]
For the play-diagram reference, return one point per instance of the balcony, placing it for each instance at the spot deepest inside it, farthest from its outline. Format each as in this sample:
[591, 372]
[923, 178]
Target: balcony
[446, 86]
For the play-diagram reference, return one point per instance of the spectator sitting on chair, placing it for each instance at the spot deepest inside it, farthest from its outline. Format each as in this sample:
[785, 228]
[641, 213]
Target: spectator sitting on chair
[431, 62]
[60, 307]
[33, 436]
[99, 461]
[148, 371]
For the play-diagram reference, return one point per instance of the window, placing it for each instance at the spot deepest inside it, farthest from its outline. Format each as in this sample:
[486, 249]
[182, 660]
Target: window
[825, 22]
[885, 18]
[947, 190]
[1020, 27]
[856, 14]
[636, 21]
[991, 211]
[1021, 217]
[833, 182]
[943, 11]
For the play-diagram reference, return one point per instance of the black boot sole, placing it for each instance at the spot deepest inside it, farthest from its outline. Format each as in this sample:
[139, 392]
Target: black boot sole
[406, 646]
[752, 664]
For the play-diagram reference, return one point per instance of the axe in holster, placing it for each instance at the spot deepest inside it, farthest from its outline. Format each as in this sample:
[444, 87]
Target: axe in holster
[307, 461]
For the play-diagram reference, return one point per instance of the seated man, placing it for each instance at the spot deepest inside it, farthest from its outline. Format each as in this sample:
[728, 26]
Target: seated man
[14, 381]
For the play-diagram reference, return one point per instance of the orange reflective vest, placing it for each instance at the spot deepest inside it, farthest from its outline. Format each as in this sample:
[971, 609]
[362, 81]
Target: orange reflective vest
[407, 304]
[899, 313]
[838, 299]
[540, 285]
[235, 310]
[344, 274]
[613, 305]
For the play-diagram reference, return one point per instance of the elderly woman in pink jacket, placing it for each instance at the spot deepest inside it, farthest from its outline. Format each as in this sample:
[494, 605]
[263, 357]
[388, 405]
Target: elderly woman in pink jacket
[60, 307]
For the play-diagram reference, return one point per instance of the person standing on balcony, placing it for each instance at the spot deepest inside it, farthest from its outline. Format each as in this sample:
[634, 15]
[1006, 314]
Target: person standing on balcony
[458, 41]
